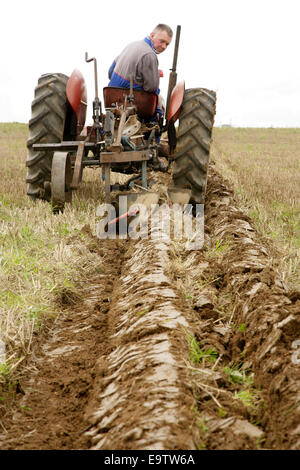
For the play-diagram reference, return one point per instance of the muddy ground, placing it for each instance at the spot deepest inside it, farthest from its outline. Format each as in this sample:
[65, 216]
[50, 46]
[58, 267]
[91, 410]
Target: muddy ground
[115, 370]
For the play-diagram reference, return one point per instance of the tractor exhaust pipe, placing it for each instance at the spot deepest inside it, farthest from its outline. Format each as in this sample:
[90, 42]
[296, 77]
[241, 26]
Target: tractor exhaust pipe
[173, 74]
[97, 111]
[95, 73]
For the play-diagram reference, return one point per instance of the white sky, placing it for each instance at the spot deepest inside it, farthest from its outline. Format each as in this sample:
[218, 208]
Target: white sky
[248, 51]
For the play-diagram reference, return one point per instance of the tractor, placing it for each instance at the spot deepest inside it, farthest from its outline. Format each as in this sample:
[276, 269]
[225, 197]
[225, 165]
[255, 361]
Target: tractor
[123, 138]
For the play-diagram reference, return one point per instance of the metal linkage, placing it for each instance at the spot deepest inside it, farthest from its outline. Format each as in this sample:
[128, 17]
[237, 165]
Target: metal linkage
[97, 111]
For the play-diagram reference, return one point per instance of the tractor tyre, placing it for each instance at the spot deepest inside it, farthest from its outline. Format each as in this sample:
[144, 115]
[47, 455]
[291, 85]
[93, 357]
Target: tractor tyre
[193, 142]
[47, 124]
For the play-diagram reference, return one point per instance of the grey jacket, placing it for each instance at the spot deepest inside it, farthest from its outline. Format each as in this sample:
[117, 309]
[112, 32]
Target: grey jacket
[139, 59]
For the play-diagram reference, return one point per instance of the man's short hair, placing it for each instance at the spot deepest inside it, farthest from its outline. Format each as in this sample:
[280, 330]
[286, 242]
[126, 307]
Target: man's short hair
[163, 27]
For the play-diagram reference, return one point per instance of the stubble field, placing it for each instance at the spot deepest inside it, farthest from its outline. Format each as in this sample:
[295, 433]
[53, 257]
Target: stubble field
[204, 342]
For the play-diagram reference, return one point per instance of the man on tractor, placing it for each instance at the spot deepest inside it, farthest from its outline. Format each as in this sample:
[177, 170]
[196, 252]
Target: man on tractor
[140, 60]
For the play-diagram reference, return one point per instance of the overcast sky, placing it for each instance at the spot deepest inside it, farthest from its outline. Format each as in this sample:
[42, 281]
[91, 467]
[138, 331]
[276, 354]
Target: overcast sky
[246, 50]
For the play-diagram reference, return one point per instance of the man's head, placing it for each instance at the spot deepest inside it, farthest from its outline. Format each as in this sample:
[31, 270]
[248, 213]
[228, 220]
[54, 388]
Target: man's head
[161, 37]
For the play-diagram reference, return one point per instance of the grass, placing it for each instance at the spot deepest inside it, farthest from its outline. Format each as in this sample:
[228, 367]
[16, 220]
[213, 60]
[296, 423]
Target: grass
[219, 249]
[245, 396]
[263, 165]
[238, 376]
[44, 258]
[198, 355]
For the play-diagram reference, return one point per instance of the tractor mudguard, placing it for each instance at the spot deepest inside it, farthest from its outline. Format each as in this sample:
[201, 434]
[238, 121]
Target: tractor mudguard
[77, 97]
[176, 101]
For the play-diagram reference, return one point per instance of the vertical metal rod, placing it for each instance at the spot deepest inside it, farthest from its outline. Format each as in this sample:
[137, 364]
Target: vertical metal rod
[107, 182]
[173, 74]
[96, 78]
[144, 174]
[97, 109]
[131, 96]
[95, 72]
[175, 57]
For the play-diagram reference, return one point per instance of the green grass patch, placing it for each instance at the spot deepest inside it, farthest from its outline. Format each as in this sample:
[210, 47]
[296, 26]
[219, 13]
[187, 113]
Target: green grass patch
[246, 397]
[198, 355]
[219, 249]
[236, 375]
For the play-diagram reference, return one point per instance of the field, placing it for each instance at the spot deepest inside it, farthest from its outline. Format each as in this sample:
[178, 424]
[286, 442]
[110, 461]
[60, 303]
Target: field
[263, 166]
[90, 327]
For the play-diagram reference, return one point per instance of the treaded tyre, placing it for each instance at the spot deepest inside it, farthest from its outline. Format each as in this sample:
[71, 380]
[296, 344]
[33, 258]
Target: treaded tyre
[193, 141]
[47, 123]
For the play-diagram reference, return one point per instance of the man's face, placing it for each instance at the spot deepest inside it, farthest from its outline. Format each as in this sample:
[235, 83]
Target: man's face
[160, 41]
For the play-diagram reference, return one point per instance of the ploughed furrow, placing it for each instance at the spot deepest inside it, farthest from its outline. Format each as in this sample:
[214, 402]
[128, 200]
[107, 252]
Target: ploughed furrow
[111, 373]
[53, 394]
[168, 348]
[142, 396]
[266, 314]
[248, 393]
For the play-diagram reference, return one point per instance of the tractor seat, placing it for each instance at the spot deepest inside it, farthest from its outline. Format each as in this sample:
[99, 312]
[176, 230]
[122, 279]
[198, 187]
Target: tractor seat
[144, 101]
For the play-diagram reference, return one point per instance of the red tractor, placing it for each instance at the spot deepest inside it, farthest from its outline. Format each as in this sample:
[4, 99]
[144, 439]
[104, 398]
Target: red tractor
[122, 139]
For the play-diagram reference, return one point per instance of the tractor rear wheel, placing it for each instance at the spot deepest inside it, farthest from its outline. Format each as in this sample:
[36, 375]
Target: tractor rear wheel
[47, 123]
[193, 141]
